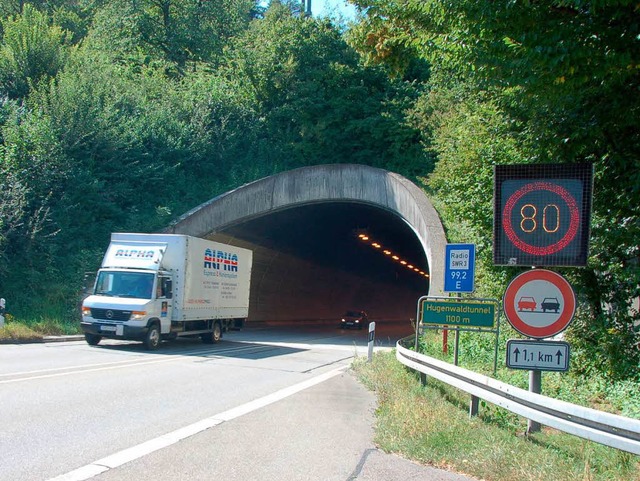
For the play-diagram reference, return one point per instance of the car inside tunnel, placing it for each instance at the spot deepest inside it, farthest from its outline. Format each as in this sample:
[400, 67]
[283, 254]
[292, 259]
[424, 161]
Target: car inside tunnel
[315, 261]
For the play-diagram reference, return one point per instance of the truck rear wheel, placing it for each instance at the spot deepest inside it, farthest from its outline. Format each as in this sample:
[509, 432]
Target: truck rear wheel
[152, 339]
[92, 339]
[214, 336]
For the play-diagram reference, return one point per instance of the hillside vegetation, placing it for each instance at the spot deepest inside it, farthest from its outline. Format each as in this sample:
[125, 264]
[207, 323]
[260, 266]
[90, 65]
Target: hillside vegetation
[120, 116]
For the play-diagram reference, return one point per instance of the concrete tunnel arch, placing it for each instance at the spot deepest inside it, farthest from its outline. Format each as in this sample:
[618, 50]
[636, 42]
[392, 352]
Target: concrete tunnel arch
[276, 276]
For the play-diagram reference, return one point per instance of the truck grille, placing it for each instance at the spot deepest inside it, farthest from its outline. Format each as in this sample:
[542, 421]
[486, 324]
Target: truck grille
[110, 314]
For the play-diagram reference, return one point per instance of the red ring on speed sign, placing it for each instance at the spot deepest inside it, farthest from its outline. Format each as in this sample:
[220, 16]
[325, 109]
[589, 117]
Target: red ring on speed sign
[574, 219]
[516, 320]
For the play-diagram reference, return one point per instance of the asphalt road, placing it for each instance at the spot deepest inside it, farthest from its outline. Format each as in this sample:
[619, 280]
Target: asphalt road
[271, 403]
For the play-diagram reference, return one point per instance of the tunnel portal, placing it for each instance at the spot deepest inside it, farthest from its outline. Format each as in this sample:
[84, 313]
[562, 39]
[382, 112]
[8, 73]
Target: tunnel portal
[327, 239]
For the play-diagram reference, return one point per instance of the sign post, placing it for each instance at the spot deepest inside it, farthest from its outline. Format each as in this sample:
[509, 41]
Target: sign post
[476, 315]
[542, 217]
[539, 304]
[459, 276]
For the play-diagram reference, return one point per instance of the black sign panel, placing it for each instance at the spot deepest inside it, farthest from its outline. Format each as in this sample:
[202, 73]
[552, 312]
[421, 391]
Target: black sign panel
[542, 214]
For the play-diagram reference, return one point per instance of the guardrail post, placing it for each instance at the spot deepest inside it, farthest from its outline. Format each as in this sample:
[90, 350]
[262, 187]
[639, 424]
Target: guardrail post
[423, 376]
[473, 406]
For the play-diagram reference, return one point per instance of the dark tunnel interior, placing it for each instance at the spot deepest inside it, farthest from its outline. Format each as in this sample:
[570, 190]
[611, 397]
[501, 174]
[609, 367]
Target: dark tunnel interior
[310, 263]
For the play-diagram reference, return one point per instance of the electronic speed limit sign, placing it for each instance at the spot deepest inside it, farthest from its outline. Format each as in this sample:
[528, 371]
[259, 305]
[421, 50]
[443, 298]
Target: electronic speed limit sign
[542, 214]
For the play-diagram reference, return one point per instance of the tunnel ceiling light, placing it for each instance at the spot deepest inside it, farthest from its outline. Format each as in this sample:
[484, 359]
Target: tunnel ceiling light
[377, 245]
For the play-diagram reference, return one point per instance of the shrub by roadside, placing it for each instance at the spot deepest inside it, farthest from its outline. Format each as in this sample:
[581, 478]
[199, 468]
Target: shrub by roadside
[34, 330]
[13, 331]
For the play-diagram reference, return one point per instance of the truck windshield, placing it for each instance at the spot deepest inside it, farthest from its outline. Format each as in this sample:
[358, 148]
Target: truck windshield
[124, 284]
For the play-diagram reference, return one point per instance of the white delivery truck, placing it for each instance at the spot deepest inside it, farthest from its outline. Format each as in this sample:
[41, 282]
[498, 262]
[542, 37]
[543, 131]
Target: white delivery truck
[160, 286]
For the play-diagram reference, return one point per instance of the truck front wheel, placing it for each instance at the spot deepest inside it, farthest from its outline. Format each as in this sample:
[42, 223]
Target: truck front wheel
[92, 339]
[152, 339]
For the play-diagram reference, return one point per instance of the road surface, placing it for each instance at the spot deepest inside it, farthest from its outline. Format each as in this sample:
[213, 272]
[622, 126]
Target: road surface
[116, 411]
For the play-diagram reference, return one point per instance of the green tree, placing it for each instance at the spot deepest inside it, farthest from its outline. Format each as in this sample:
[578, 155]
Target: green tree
[31, 51]
[34, 176]
[319, 104]
[564, 76]
[178, 32]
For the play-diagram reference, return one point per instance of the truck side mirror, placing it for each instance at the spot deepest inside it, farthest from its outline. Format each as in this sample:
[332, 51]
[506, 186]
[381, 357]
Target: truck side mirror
[168, 289]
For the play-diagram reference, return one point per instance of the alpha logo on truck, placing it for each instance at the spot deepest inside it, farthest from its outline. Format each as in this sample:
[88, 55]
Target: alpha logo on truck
[135, 253]
[220, 260]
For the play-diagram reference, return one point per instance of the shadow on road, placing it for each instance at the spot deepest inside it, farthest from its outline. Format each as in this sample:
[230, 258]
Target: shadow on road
[263, 341]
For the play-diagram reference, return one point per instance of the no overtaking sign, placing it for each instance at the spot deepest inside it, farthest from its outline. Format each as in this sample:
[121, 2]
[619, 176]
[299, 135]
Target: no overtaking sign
[539, 303]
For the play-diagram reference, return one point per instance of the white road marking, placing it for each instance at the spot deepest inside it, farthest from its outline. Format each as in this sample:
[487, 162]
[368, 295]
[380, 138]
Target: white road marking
[127, 455]
[66, 371]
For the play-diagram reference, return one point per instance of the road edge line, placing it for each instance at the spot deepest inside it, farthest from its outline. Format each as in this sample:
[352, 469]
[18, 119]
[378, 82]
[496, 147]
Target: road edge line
[136, 452]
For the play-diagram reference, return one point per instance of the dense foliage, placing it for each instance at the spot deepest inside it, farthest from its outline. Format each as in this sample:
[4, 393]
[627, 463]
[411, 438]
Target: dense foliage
[119, 115]
[551, 81]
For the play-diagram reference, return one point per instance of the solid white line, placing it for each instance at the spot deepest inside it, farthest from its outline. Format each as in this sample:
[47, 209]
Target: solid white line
[127, 455]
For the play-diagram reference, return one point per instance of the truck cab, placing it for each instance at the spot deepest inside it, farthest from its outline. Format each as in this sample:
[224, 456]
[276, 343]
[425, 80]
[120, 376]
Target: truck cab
[127, 303]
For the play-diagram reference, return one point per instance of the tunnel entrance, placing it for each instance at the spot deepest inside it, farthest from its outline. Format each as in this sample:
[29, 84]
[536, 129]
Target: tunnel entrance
[327, 239]
[319, 260]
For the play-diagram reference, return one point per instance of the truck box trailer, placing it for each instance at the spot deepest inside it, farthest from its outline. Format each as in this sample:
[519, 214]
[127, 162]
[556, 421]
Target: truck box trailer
[152, 287]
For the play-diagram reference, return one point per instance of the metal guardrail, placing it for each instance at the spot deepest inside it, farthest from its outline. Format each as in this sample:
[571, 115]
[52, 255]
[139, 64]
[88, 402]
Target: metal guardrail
[609, 429]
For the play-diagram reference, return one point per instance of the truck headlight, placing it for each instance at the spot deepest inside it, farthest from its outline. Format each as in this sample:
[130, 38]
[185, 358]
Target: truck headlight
[86, 311]
[137, 315]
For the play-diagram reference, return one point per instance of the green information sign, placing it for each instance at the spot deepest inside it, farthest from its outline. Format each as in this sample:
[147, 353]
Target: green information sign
[456, 313]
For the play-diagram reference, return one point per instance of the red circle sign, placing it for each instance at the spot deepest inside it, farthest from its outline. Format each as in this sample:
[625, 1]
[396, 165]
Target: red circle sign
[539, 303]
[574, 219]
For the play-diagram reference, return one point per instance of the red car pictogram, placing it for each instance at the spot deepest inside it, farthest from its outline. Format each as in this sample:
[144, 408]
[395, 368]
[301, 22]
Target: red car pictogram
[527, 303]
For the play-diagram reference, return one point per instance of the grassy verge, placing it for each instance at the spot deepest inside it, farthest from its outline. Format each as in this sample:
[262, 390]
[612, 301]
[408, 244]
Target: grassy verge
[430, 424]
[35, 329]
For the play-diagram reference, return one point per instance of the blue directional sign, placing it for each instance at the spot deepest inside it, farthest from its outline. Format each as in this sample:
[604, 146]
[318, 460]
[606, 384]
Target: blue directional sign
[460, 266]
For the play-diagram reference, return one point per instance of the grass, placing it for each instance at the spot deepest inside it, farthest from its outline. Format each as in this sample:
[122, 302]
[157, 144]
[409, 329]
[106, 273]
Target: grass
[34, 329]
[430, 424]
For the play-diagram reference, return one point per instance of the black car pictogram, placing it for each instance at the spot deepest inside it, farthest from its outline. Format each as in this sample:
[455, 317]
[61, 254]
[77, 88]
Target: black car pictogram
[550, 304]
